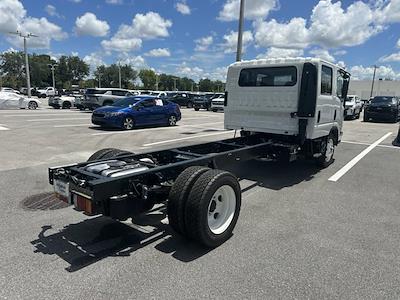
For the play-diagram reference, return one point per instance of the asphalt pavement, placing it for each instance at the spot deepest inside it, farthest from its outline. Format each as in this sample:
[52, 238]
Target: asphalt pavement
[301, 234]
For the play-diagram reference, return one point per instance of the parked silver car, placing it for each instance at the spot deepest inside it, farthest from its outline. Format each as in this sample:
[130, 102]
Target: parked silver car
[98, 97]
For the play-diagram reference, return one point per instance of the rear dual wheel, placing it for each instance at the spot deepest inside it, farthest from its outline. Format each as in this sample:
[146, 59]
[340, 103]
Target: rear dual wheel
[204, 205]
[108, 153]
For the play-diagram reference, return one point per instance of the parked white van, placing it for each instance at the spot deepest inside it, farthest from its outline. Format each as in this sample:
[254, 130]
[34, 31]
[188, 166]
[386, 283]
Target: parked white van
[297, 100]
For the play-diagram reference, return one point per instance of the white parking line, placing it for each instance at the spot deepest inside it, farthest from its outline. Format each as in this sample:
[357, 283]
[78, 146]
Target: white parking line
[72, 125]
[153, 129]
[44, 115]
[356, 159]
[3, 127]
[59, 119]
[366, 144]
[186, 138]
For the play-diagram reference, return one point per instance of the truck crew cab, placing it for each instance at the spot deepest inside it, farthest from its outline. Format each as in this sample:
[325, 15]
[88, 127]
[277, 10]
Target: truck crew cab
[284, 109]
[300, 101]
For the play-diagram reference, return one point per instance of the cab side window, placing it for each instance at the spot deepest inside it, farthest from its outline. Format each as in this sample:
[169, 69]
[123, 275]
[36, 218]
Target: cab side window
[149, 103]
[326, 80]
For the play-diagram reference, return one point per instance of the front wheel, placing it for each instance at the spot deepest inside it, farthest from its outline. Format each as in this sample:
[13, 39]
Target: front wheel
[128, 123]
[327, 152]
[32, 105]
[196, 109]
[189, 105]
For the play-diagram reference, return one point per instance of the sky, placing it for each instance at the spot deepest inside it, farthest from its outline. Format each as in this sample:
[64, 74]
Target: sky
[197, 38]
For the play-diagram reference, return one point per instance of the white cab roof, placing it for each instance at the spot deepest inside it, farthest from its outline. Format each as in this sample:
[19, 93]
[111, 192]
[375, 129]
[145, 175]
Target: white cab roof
[280, 61]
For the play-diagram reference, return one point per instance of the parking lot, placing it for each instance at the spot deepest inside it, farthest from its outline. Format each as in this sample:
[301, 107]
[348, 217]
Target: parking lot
[302, 232]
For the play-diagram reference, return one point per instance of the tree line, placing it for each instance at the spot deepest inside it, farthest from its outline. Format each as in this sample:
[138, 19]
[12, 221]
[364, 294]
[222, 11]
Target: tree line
[72, 70]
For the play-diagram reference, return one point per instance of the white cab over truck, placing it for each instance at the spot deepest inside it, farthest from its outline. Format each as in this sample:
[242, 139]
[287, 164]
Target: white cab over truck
[284, 109]
[299, 100]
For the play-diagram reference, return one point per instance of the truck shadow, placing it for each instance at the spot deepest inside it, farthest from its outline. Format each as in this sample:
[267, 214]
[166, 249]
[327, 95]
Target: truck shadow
[87, 242]
[275, 175]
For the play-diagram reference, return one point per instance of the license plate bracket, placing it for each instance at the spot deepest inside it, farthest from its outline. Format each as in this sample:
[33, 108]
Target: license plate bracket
[61, 189]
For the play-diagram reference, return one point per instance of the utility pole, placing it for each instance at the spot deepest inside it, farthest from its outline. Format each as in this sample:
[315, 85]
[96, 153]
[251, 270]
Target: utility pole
[28, 79]
[373, 81]
[119, 75]
[99, 80]
[175, 79]
[52, 67]
[240, 32]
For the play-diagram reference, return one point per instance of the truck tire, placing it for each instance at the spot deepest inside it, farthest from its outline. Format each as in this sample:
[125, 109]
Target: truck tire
[213, 208]
[327, 152]
[107, 153]
[178, 196]
[196, 108]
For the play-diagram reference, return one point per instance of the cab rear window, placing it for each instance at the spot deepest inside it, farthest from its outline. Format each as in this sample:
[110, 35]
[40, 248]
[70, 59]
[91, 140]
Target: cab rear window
[271, 76]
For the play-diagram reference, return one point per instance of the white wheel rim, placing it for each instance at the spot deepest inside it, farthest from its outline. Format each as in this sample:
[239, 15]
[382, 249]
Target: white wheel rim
[221, 209]
[330, 148]
[128, 123]
[172, 120]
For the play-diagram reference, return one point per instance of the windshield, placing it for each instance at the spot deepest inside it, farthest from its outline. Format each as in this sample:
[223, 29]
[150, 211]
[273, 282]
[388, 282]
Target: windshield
[350, 99]
[126, 102]
[383, 99]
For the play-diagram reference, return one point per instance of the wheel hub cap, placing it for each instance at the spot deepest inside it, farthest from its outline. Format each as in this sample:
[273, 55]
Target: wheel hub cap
[221, 209]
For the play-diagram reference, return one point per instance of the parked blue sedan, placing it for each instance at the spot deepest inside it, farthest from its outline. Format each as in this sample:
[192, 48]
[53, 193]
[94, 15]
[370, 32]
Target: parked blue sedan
[137, 111]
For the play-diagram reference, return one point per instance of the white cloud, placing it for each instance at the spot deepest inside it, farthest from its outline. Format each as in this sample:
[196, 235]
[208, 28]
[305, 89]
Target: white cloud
[122, 45]
[76, 1]
[13, 17]
[273, 52]
[129, 37]
[203, 43]
[115, 2]
[323, 54]
[52, 11]
[12, 13]
[146, 26]
[94, 60]
[230, 44]
[330, 26]
[185, 70]
[340, 52]
[159, 52]
[293, 34]
[361, 72]
[137, 62]
[183, 8]
[88, 24]
[45, 31]
[218, 73]
[394, 57]
[254, 9]
[398, 44]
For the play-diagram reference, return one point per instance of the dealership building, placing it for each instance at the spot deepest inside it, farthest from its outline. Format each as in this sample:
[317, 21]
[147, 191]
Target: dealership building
[362, 88]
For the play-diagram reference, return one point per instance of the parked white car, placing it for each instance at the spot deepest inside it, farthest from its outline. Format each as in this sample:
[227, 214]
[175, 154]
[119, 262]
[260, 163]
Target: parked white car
[46, 92]
[218, 103]
[353, 107]
[9, 100]
[64, 102]
[10, 90]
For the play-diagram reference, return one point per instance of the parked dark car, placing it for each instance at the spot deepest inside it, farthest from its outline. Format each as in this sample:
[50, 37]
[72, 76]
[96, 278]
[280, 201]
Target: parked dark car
[182, 99]
[137, 111]
[383, 108]
[202, 102]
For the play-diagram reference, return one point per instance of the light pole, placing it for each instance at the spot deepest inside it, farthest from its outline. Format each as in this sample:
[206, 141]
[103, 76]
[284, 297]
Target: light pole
[240, 32]
[52, 67]
[28, 79]
[99, 74]
[175, 79]
[373, 81]
[119, 75]
[157, 81]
